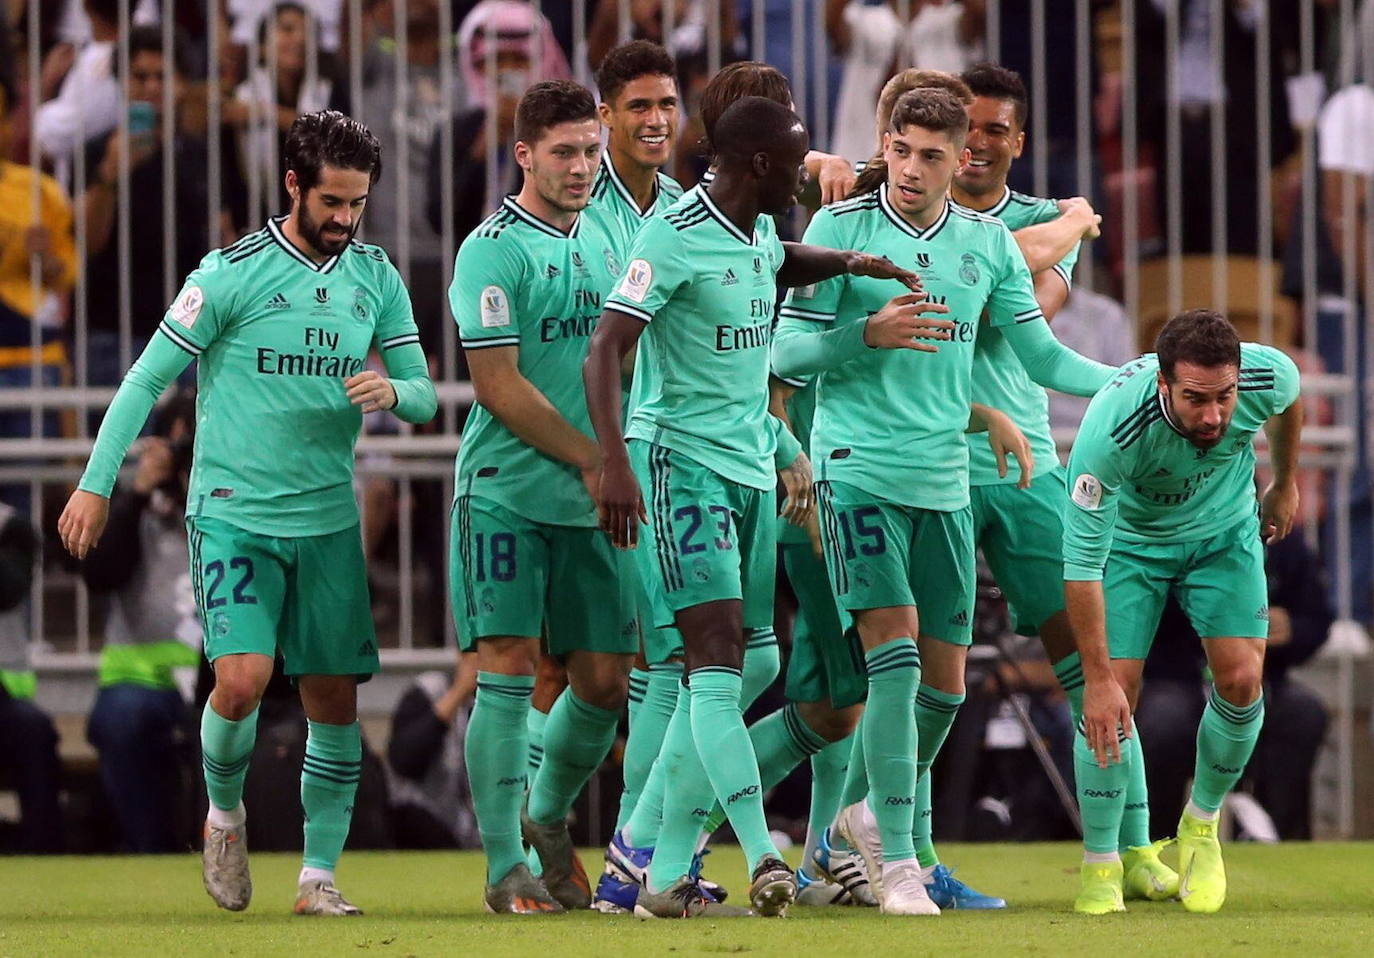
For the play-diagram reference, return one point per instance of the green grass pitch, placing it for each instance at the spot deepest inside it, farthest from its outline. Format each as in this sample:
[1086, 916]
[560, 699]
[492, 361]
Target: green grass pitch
[1288, 899]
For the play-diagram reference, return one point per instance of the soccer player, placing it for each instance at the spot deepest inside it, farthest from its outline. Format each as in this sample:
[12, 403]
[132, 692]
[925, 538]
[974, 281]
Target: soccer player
[703, 280]
[1162, 499]
[526, 552]
[891, 456]
[280, 324]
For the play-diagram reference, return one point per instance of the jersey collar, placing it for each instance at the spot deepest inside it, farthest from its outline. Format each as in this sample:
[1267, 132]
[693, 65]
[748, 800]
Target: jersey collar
[1168, 414]
[542, 225]
[274, 230]
[619, 185]
[724, 220]
[885, 204]
[997, 208]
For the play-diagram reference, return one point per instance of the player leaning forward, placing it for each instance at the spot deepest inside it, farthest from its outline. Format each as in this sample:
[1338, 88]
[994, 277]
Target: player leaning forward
[1163, 498]
[700, 288]
[280, 324]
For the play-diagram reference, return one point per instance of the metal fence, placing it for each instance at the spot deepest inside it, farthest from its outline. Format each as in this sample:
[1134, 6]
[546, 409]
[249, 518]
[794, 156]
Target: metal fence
[1124, 98]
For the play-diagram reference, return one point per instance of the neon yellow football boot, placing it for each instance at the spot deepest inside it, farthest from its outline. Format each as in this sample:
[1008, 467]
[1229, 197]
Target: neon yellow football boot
[1147, 877]
[1100, 893]
[1202, 881]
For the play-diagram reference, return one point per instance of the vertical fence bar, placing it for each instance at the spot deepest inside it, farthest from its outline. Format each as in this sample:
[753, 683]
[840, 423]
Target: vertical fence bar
[1130, 204]
[1173, 160]
[1263, 163]
[169, 163]
[994, 30]
[447, 241]
[214, 143]
[1039, 105]
[1217, 36]
[1084, 147]
[123, 223]
[581, 68]
[492, 127]
[757, 39]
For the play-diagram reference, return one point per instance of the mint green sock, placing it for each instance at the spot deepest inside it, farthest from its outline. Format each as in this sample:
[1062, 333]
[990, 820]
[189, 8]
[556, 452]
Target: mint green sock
[535, 723]
[728, 757]
[1135, 820]
[782, 741]
[578, 737]
[496, 751]
[761, 665]
[935, 713]
[889, 731]
[638, 685]
[685, 796]
[1101, 794]
[1225, 739]
[827, 781]
[226, 748]
[855, 786]
[1069, 672]
[648, 726]
[329, 781]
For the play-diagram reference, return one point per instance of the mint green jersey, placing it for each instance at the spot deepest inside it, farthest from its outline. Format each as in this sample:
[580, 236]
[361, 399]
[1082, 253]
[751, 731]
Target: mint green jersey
[999, 379]
[892, 422]
[275, 335]
[1134, 477]
[614, 205]
[707, 292]
[520, 282]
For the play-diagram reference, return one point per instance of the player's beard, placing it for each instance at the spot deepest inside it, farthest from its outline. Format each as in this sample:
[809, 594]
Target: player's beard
[324, 244]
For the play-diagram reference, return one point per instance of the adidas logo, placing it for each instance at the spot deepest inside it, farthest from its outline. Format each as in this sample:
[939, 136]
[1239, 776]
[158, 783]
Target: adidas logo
[729, 279]
[1158, 473]
[368, 648]
[1263, 613]
[552, 271]
[278, 302]
[960, 619]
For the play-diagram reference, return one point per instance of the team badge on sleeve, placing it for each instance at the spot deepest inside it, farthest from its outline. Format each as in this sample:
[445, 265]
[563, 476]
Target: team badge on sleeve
[187, 306]
[495, 307]
[1087, 492]
[637, 280]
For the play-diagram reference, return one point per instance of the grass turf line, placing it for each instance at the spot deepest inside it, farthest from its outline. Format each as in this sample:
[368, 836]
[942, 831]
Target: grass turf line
[1295, 897]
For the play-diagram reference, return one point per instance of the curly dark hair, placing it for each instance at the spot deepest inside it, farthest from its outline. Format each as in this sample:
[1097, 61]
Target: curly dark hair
[1200, 336]
[629, 62]
[329, 138]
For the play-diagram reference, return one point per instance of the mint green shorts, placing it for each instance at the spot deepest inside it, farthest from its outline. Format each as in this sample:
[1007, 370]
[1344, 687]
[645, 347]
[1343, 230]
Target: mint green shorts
[707, 538]
[511, 576]
[306, 596]
[1219, 582]
[1021, 533]
[882, 554]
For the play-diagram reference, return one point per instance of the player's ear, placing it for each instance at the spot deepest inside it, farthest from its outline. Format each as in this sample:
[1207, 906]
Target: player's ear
[522, 155]
[1018, 144]
[293, 185]
[761, 163]
[604, 112]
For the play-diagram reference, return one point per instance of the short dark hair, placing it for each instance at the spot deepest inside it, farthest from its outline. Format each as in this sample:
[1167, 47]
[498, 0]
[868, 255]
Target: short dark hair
[629, 62]
[107, 10]
[736, 81]
[931, 108]
[550, 103]
[999, 83]
[329, 138]
[1200, 336]
[147, 38]
[753, 124]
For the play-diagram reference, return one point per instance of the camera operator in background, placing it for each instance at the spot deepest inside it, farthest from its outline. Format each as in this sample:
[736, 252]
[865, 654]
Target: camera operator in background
[140, 723]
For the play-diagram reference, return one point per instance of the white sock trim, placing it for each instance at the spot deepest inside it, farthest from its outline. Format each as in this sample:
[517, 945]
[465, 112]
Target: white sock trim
[1101, 858]
[309, 874]
[1200, 813]
[226, 818]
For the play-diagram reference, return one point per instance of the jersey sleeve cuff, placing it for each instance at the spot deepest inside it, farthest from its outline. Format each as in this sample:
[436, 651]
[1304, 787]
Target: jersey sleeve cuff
[1075, 572]
[810, 315]
[643, 316]
[181, 340]
[491, 342]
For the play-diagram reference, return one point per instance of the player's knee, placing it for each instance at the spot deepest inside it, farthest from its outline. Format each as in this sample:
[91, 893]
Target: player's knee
[1239, 684]
[829, 723]
[235, 696]
[608, 694]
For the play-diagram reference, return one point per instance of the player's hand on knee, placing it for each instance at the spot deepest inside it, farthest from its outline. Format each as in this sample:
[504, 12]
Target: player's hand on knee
[1105, 712]
[799, 507]
[905, 321]
[619, 505]
[371, 390]
[82, 522]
